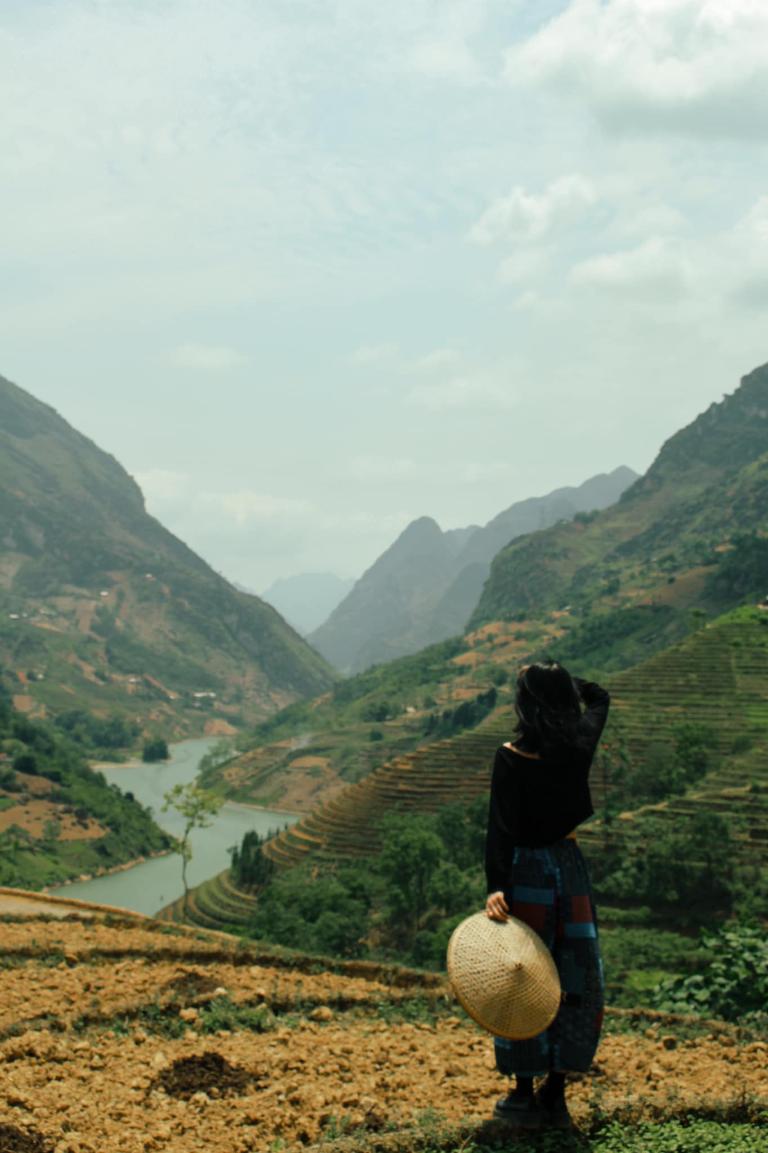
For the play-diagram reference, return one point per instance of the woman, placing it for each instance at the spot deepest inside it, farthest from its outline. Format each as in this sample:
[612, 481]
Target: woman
[535, 871]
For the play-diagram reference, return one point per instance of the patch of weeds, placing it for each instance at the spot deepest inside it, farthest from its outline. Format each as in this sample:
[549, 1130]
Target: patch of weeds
[223, 1013]
[335, 1127]
[684, 1028]
[13, 961]
[412, 1009]
[51, 960]
[163, 1020]
[681, 1136]
[46, 1021]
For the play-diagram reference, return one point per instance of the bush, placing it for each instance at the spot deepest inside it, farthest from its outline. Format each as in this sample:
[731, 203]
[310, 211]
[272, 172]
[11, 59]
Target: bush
[25, 763]
[155, 750]
[689, 865]
[734, 983]
[465, 716]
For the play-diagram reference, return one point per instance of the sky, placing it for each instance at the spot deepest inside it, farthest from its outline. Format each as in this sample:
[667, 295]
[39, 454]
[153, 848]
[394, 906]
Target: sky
[312, 268]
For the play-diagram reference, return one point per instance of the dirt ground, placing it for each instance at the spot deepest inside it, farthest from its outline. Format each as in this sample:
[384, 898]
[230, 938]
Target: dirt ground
[33, 815]
[131, 1037]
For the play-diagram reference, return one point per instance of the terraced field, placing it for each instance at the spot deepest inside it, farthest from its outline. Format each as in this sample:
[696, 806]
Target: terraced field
[717, 677]
[125, 1035]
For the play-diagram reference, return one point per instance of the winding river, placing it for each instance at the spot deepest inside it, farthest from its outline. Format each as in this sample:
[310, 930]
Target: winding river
[150, 885]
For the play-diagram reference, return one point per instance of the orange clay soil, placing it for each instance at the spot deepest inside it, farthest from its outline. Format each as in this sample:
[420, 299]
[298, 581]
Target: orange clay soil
[86, 1067]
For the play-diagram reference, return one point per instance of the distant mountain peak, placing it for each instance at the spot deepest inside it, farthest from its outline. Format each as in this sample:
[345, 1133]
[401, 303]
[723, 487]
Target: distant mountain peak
[424, 587]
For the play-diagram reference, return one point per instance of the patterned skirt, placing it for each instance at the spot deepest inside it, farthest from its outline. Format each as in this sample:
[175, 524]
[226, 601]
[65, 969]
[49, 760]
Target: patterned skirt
[551, 892]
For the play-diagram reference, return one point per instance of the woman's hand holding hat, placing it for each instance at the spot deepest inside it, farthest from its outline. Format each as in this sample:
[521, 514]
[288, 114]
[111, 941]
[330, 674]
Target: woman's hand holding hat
[496, 907]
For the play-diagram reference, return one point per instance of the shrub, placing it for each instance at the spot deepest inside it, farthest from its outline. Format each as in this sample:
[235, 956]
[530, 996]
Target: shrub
[734, 984]
[25, 763]
[155, 750]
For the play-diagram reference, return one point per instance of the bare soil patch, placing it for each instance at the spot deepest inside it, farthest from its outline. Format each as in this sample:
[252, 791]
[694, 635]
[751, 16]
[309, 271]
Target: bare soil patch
[13, 1140]
[33, 815]
[217, 727]
[112, 1044]
[207, 1072]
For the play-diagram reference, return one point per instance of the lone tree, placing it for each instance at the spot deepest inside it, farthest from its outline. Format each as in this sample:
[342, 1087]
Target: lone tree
[155, 749]
[198, 807]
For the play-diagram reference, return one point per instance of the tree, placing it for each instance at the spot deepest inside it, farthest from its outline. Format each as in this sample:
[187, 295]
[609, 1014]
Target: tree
[251, 869]
[410, 853]
[155, 750]
[198, 807]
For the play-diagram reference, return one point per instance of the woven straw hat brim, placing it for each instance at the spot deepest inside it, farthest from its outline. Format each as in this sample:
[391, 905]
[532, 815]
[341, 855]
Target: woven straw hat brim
[503, 975]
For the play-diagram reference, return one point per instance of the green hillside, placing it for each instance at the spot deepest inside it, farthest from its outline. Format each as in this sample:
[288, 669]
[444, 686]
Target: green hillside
[709, 691]
[665, 547]
[387, 866]
[102, 607]
[310, 749]
[58, 818]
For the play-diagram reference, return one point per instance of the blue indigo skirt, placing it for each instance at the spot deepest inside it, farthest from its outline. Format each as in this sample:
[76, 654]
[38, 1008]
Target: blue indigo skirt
[551, 892]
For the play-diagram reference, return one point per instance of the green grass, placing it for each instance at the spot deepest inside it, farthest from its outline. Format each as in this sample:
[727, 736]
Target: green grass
[745, 1133]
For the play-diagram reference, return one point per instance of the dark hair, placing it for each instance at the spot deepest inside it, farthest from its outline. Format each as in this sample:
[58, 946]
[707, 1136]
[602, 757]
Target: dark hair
[548, 709]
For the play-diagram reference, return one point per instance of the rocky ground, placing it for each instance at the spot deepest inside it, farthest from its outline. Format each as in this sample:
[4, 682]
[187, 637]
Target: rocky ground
[132, 1037]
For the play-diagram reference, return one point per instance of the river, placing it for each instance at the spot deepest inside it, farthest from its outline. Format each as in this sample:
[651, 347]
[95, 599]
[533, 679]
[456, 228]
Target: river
[149, 886]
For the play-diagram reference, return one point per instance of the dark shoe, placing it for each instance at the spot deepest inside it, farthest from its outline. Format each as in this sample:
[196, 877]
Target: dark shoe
[518, 1110]
[553, 1112]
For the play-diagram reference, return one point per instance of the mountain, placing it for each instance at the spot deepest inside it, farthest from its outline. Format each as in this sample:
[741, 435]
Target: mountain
[102, 607]
[425, 586]
[690, 533]
[307, 599]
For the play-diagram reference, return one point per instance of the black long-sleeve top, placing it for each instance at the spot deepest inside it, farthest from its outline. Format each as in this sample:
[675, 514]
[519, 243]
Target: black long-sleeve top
[536, 801]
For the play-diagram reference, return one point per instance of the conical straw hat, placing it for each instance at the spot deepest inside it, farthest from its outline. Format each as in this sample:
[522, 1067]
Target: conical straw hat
[504, 976]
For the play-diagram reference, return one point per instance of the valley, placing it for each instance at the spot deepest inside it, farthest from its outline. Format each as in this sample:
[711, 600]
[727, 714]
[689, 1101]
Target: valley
[238, 1017]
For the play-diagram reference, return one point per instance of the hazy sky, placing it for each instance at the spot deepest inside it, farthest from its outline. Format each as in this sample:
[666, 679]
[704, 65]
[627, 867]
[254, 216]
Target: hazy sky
[311, 268]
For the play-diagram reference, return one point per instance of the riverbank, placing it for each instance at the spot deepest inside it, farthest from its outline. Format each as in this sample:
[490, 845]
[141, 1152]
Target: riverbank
[122, 868]
[153, 883]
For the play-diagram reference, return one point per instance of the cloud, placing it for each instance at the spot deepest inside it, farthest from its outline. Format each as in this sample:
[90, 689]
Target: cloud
[381, 468]
[481, 391]
[391, 357]
[374, 354]
[245, 507]
[481, 472]
[523, 265]
[693, 66]
[652, 268]
[175, 492]
[446, 60]
[164, 485]
[756, 220]
[523, 215]
[207, 357]
[439, 358]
